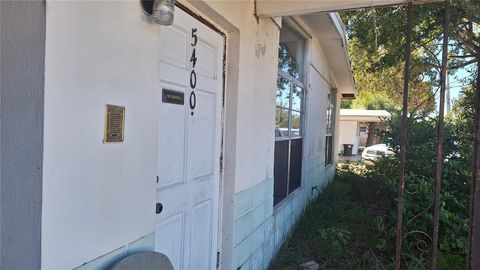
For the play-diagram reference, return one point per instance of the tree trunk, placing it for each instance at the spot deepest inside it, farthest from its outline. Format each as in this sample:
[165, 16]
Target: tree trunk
[372, 133]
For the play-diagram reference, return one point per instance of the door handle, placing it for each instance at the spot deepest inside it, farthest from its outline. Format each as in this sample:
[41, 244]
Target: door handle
[158, 208]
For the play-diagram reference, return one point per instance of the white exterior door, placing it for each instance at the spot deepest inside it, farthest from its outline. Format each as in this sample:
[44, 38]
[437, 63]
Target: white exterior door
[189, 143]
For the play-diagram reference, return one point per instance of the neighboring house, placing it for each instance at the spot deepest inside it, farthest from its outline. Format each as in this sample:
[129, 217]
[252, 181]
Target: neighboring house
[119, 135]
[354, 124]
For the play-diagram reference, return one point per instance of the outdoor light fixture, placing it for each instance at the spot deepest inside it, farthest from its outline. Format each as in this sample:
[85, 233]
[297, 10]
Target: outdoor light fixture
[160, 11]
[163, 11]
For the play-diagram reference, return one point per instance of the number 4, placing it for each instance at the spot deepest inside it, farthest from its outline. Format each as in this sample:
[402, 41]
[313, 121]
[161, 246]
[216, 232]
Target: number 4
[193, 59]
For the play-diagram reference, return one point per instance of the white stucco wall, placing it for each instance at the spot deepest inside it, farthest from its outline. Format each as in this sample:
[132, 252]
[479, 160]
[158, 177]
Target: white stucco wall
[97, 197]
[100, 196]
[257, 73]
[319, 84]
[348, 133]
[260, 229]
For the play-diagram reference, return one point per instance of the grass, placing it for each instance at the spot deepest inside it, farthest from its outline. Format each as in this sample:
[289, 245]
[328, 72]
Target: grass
[344, 228]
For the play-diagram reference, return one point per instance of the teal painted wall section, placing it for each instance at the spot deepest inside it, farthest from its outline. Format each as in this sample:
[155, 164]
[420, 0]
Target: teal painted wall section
[104, 262]
[259, 229]
[253, 209]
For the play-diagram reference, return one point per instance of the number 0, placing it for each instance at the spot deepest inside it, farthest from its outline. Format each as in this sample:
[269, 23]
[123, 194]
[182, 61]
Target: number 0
[193, 79]
[193, 100]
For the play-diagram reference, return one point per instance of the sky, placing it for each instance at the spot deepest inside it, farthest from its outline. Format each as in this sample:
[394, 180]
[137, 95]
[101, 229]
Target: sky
[455, 81]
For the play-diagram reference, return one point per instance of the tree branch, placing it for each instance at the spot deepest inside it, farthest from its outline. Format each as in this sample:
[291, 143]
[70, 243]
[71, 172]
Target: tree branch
[471, 48]
[470, 17]
[463, 56]
[430, 52]
[464, 64]
[430, 96]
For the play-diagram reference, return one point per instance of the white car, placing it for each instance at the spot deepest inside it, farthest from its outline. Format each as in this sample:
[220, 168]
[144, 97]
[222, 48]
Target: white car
[376, 151]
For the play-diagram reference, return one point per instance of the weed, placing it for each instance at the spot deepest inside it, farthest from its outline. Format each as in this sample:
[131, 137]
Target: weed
[342, 229]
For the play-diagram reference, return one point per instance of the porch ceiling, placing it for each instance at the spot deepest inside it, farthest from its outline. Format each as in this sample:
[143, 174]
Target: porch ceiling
[276, 8]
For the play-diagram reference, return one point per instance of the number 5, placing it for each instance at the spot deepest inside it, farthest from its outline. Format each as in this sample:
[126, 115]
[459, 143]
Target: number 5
[194, 36]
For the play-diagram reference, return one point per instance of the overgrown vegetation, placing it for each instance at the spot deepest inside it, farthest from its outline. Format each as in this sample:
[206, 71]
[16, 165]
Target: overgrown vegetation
[344, 228]
[419, 195]
[352, 224]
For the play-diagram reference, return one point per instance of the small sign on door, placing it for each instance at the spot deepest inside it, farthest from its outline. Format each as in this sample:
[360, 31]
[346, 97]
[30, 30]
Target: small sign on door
[173, 97]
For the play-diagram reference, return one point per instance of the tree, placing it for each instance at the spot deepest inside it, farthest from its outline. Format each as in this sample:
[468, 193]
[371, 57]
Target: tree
[380, 32]
[462, 117]
[380, 35]
[382, 89]
[377, 42]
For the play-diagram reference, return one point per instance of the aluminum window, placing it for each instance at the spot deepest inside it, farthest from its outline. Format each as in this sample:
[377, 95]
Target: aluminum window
[330, 127]
[289, 108]
[291, 53]
[289, 114]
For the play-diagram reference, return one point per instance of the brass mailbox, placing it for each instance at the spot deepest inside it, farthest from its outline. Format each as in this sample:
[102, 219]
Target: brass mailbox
[114, 124]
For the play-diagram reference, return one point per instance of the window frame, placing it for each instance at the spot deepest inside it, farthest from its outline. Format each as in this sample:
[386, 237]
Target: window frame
[293, 82]
[285, 192]
[292, 139]
[292, 25]
[330, 127]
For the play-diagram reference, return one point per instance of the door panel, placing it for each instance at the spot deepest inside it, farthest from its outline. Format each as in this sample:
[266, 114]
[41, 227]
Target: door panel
[168, 234]
[203, 214]
[171, 167]
[174, 46]
[203, 136]
[208, 52]
[189, 143]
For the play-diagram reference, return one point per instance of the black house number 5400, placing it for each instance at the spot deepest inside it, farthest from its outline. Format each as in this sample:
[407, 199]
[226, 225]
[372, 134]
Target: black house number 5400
[193, 75]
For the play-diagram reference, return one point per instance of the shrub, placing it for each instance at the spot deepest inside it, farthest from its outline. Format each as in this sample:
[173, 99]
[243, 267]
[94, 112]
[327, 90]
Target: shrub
[419, 190]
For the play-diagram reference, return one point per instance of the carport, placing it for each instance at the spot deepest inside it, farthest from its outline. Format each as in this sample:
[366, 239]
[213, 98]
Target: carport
[351, 122]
